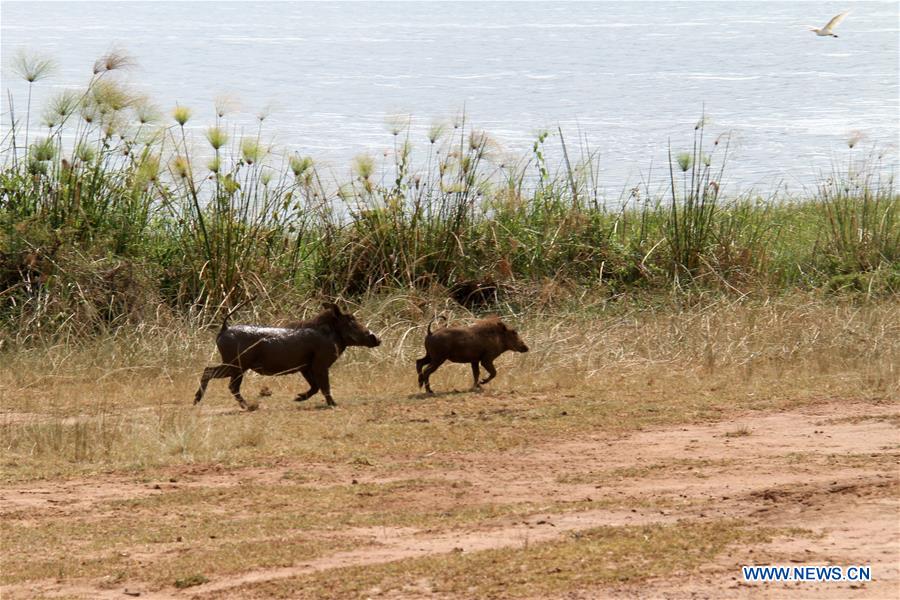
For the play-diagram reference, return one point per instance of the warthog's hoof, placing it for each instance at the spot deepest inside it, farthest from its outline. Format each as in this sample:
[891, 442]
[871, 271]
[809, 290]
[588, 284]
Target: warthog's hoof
[301, 397]
[251, 406]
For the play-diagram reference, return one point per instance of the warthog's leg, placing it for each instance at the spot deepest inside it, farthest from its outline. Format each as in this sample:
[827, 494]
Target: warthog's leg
[421, 364]
[320, 374]
[235, 387]
[428, 371]
[475, 374]
[216, 372]
[489, 367]
[313, 388]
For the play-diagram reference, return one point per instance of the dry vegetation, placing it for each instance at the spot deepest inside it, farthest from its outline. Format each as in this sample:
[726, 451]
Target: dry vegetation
[113, 481]
[124, 402]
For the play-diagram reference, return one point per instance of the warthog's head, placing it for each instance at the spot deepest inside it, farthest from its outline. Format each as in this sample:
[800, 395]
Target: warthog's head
[351, 331]
[511, 339]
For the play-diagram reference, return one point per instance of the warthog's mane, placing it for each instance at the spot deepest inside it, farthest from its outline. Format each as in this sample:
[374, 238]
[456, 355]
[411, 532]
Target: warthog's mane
[492, 324]
[323, 319]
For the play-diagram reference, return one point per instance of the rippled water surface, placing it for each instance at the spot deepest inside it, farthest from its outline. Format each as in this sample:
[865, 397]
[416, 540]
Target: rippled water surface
[624, 76]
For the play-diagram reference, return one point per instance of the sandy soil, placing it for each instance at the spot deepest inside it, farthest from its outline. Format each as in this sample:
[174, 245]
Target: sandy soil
[832, 468]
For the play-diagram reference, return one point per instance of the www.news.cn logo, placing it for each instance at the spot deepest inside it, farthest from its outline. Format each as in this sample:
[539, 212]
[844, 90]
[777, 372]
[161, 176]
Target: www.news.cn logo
[807, 573]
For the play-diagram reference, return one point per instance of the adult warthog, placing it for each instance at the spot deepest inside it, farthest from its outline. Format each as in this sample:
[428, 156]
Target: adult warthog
[310, 347]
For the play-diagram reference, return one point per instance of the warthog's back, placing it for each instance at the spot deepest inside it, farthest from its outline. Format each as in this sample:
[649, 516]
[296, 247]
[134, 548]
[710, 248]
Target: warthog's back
[463, 344]
[309, 346]
[251, 331]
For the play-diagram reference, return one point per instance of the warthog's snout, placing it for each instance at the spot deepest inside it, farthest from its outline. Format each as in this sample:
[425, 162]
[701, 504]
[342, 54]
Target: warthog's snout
[523, 348]
[373, 341]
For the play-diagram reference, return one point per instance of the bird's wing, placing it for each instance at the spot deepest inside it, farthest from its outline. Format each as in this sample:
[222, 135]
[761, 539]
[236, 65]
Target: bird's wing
[834, 21]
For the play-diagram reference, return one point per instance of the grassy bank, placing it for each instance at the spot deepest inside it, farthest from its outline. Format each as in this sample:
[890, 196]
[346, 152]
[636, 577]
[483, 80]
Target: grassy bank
[112, 212]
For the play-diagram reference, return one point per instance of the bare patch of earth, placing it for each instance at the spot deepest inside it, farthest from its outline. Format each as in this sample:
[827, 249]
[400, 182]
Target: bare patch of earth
[827, 470]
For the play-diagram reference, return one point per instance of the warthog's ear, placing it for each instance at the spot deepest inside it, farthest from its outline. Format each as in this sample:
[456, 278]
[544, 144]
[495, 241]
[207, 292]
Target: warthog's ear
[332, 307]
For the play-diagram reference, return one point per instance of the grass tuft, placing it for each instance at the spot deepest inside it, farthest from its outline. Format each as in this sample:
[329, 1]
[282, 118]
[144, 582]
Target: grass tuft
[190, 581]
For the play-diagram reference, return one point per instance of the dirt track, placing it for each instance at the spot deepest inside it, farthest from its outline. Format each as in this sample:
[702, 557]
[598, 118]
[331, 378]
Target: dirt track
[832, 469]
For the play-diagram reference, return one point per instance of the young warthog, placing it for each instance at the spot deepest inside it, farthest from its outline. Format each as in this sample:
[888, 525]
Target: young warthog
[481, 343]
[309, 347]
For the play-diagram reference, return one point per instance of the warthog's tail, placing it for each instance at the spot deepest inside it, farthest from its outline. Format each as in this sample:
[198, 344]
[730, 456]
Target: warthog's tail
[231, 312]
[433, 319]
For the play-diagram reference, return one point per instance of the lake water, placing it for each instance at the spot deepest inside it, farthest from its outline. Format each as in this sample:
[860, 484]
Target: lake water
[625, 76]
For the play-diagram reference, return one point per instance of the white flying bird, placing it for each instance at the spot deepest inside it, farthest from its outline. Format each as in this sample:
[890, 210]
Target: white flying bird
[826, 31]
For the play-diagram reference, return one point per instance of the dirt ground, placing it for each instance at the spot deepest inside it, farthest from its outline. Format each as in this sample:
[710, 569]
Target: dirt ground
[827, 476]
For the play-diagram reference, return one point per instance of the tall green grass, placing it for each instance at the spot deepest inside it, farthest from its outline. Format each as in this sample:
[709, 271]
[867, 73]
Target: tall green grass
[863, 220]
[112, 208]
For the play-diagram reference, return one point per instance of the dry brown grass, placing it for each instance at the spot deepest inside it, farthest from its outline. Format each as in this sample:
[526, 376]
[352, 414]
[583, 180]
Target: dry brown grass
[583, 560]
[118, 410]
[123, 403]
[671, 468]
[228, 530]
